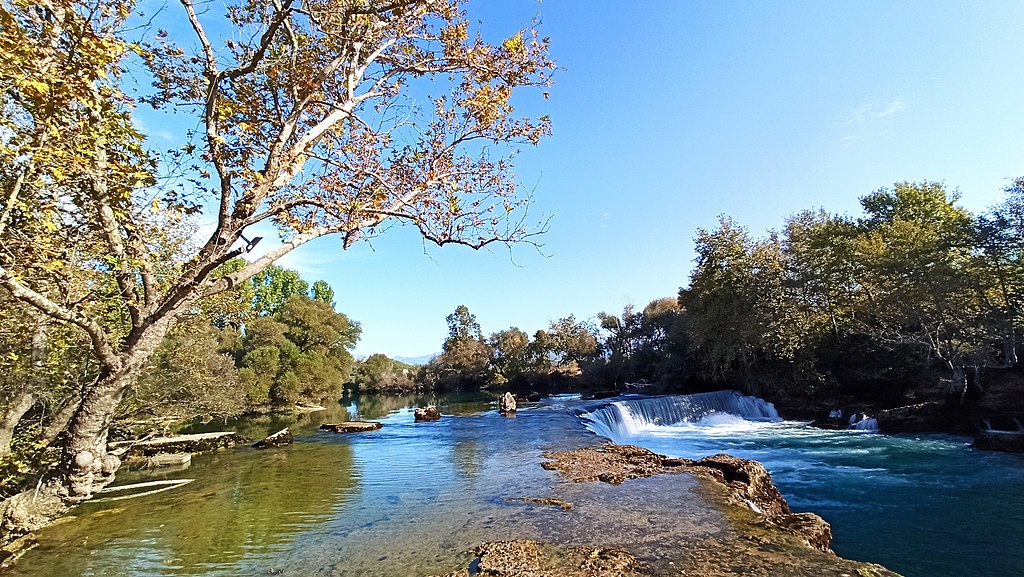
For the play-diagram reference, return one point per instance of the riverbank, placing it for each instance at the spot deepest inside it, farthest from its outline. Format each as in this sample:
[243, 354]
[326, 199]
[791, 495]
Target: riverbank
[413, 499]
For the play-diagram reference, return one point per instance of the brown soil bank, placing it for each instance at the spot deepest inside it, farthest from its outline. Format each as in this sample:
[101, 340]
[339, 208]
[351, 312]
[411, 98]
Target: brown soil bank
[649, 515]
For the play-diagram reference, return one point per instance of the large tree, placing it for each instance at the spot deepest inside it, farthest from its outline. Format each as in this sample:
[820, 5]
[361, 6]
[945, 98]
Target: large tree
[319, 117]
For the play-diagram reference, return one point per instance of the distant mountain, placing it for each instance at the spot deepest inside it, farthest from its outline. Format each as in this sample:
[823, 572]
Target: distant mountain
[420, 360]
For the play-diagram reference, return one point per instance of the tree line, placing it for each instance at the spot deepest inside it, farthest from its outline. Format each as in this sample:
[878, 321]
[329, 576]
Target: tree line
[915, 291]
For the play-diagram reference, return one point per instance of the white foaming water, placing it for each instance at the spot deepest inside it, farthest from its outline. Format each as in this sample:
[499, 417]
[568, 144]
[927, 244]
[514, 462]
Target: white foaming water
[913, 503]
[667, 415]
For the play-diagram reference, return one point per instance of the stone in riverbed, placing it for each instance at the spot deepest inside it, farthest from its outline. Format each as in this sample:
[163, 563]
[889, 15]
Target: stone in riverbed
[196, 443]
[507, 404]
[351, 427]
[1006, 442]
[427, 413]
[278, 439]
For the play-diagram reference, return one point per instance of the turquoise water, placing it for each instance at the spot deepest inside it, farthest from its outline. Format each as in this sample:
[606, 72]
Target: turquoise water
[922, 505]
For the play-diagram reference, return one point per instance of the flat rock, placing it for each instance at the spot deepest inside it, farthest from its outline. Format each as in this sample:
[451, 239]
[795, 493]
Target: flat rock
[522, 557]
[749, 484]
[351, 427]
[197, 443]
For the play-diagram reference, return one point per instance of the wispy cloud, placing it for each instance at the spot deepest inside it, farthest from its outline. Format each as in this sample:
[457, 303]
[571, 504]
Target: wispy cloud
[870, 120]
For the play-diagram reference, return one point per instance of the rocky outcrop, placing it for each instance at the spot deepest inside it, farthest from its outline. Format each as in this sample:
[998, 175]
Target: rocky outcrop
[609, 464]
[1000, 441]
[351, 427]
[507, 404]
[427, 413]
[748, 482]
[916, 418]
[278, 439]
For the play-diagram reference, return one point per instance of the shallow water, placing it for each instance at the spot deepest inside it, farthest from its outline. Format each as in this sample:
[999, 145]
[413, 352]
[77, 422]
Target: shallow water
[408, 499]
[922, 505]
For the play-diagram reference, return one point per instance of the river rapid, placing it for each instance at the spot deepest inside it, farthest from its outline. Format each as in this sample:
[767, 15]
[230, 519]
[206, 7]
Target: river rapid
[922, 505]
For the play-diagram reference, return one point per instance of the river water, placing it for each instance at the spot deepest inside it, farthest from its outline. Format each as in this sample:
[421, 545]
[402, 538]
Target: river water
[413, 498]
[922, 505]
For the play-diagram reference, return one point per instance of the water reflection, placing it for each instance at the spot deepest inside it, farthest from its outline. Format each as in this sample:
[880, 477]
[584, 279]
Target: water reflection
[244, 506]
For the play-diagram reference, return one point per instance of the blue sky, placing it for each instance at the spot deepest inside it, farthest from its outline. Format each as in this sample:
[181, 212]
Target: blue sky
[667, 114]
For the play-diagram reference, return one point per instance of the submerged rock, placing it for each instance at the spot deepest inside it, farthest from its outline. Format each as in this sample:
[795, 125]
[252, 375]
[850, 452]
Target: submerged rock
[170, 460]
[278, 439]
[520, 558]
[351, 427]
[427, 413]
[507, 404]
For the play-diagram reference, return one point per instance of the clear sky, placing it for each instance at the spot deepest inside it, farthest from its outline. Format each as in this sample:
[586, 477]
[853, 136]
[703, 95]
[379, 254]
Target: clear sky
[669, 113]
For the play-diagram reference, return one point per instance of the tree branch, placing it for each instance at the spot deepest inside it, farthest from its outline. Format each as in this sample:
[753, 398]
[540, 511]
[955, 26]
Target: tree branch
[100, 342]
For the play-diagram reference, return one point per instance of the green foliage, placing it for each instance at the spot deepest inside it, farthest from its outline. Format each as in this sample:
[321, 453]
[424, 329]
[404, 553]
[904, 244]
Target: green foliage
[273, 286]
[189, 376]
[381, 373]
[322, 291]
[299, 354]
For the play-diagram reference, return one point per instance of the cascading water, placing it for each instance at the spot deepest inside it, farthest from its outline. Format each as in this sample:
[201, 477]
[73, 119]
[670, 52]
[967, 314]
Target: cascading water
[913, 503]
[630, 416]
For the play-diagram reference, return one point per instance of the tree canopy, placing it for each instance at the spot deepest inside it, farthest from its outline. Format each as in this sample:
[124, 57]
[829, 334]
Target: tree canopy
[322, 117]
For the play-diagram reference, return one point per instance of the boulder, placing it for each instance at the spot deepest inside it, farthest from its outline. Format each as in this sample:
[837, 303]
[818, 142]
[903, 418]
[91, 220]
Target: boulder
[427, 413]
[351, 427]
[507, 404]
[278, 439]
[1000, 441]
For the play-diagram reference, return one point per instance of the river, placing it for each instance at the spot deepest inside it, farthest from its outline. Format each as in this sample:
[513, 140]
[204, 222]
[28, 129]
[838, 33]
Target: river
[414, 498]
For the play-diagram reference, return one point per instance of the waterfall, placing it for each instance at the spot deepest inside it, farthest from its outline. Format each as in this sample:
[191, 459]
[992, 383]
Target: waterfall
[866, 424]
[630, 416]
[862, 422]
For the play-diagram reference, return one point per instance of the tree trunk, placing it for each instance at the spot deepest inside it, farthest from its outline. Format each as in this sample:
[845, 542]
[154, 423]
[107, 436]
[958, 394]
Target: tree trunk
[957, 381]
[16, 409]
[59, 422]
[85, 465]
[23, 400]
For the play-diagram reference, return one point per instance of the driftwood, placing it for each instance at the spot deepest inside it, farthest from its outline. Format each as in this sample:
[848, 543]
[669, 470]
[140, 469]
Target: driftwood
[351, 427]
[165, 485]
